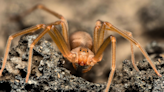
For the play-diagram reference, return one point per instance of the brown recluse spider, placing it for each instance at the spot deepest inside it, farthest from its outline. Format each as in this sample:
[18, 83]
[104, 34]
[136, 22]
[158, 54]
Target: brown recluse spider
[79, 48]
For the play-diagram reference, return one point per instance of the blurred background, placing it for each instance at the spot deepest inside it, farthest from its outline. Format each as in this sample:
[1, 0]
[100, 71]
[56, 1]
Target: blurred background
[143, 18]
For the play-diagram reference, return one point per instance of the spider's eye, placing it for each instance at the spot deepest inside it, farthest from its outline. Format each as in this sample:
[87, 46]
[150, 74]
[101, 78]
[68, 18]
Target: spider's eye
[87, 50]
[80, 49]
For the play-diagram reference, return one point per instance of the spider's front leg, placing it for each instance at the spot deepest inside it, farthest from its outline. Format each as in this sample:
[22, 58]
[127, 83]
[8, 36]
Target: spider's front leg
[56, 36]
[99, 53]
[61, 40]
[11, 37]
[63, 23]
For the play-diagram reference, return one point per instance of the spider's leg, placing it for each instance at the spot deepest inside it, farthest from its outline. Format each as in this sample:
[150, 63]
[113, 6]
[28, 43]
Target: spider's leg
[57, 38]
[42, 7]
[132, 51]
[11, 37]
[95, 59]
[101, 35]
[99, 38]
[123, 34]
[63, 43]
[64, 31]
[96, 36]
[31, 51]
[39, 6]
[64, 22]
[67, 53]
[113, 63]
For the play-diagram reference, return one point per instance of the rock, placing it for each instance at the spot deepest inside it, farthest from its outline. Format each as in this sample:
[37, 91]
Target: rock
[47, 74]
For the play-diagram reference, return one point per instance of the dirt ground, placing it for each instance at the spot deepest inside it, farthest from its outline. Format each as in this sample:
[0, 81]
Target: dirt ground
[143, 18]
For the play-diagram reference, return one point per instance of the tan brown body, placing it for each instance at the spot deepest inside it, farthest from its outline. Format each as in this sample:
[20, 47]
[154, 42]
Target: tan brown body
[81, 38]
[81, 45]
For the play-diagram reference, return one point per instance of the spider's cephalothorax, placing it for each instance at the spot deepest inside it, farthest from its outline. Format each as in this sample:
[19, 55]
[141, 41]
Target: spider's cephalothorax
[83, 56]
[79, 48]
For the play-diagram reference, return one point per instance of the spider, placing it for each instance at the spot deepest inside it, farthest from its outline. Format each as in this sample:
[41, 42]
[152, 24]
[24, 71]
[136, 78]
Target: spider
[79, 47]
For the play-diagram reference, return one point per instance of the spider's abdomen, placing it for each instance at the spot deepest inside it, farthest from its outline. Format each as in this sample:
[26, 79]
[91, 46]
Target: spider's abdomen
[80, 38]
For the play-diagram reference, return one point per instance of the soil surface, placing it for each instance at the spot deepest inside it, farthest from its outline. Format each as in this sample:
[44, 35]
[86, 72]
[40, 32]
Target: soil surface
[49, 74]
